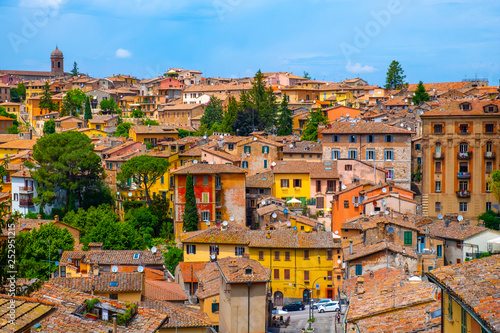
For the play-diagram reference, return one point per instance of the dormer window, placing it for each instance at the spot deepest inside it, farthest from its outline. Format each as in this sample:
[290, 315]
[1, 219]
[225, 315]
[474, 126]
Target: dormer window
[248, 271]
[465, 106]
[490, 108]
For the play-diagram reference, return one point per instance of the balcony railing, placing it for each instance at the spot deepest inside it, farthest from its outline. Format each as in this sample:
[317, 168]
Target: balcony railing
[330, 190]
[463, 194]
[26, 203]
[463, 175]
[438, 156]
[464, 155]
[489, 155]
[218, 187]
[26, 188]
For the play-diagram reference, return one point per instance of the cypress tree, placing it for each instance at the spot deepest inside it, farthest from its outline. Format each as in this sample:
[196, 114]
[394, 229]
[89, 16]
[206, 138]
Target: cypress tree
[285, 124]
[88, 111]
[190, 217]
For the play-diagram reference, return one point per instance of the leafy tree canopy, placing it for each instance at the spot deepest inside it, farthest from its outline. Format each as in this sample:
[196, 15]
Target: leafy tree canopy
[285, 124]
[46, 102]
[213, 112]
[21, 90]
[114, 235]
[395, 78]
[108, 105]
[150, 122]
[173, 256]
[421, 95]
[315, 118]
[122, 130]
[491, 219]
[136, 113]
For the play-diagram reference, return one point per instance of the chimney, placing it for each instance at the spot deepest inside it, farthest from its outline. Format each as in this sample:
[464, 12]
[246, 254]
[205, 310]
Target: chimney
[446, 223]
[56, 218]
[233, 268]
[359, 285]
[114, 323]
[350, 246]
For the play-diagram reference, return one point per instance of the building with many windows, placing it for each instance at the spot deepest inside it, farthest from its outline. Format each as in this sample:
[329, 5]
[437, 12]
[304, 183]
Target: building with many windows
[459, 142]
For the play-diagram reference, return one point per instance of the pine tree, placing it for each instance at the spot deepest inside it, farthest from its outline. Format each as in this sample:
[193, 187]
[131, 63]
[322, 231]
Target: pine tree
[74, 71]
[213, 112]
[420, 95]
[190, 217]
[230, 116]
[46, 102]
[88, 111]
[285, 124]
[395, 78]
[315, 119]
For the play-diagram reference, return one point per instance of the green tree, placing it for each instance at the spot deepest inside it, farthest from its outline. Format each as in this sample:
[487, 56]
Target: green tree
[21, 90]
[49, 126]
[72, 102]
[46, 102]
[74, 71]
[87, 219]
[258, 98]
[143, 221]
[395, 78]
[173, 256]
[114, 235]
[213, 113]
[122, 130]
[494, 181]
[14, 95]
[190, 217]
[245, 120]
[285, 124]
[230, 115]
[65, 161]
[145, 170]
[108, 105]
[136, 113]
[13, 130]
[183, 133]
[33, 250]
[306, 75]
[421, 95]
[88, 111]
[96, 195]
[491, 219]
[150, 122]
[315, 118]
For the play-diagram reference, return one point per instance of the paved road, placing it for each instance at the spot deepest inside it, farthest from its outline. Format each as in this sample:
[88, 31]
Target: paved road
[325, 322]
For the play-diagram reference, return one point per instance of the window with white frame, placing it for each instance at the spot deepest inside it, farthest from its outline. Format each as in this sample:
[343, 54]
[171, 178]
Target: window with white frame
[205, 216]
[191, 249]
[353, 154]
[389, 155]
[335, 154]
[370, 155]
[463, 207]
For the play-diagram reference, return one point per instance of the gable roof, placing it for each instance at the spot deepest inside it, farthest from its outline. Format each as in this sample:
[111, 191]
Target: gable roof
[260, 180]
[113, 257]
[125, 282]
[362, 127]
[455, 230]
[242, 270]
[199, 169]
[28, 312]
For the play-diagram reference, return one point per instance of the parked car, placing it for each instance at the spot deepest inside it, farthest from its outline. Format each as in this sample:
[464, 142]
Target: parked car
[331, 306]
[321, 302]
[296, 306]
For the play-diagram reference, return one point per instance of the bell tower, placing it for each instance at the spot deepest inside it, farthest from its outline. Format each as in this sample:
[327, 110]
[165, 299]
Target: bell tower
[57, 62]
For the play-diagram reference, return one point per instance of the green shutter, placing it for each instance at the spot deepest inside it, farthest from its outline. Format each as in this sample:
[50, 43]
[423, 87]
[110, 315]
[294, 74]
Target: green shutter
[265, 164]
[408, 240]
[215, 307]
[440, 251]
[359, 269]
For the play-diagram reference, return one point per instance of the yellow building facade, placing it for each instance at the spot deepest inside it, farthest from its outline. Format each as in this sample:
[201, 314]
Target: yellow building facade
[292, 185]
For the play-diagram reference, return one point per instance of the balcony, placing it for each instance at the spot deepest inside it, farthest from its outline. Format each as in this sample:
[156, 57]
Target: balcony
[26, 189]
[463, 194]
[330, 190]
[438, 156]
[218, 187]
[463, 175]
[464, 155]
[26, 203]
[489, 155]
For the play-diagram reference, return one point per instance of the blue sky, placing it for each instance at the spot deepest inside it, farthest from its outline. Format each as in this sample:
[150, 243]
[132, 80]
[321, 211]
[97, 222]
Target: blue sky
[434, 40]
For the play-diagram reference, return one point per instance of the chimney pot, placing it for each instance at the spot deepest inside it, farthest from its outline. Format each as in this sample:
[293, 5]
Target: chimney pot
[39, 216]
[56, 218]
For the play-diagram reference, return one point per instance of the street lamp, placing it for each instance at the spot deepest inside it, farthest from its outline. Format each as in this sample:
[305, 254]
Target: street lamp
[311, 312]
[310, 298]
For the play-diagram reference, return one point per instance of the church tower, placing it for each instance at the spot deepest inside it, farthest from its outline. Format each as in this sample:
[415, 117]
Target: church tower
[57, 62]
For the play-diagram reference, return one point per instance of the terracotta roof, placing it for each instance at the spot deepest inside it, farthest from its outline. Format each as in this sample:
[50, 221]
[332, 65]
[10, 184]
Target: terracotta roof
[438, 86]
[8, 137]
[192, 152]
[222, 154]
[162, 290]
[362, 127]
[140, 129]
[208, 169]
[452, 108]
[304, 147]
[455, 230]
[291, 167]
[242, 270]
[28, 312]
[190, 269]
[151, 273]
[125, 282]
[360, 250]
[477, 284]
[178, 107]
[22, 174]
[319, 170]
[113, 257]
[209, 281]
[120, 147]
[260, 180]
[218, 87]
[18, 144]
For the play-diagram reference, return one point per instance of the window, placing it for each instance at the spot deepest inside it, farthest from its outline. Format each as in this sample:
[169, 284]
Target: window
[191, 249]
[463, 207]
[113, 296]
[335, 138]
[297, 183]
[287, 274]
[463, 321]
[194, 180]
[244, 165]
[359, 269]
[370, 138]
[320, 202]
[287, 256]
[438, 186]
[306, 276]
[463, 185]
[464, 128]
[261, 255]
[488, 187]
[205, 180]
[265, 149]
[277, 255]
[239, 251]
[417, 146]
[388, 155]
[247, 149]
[335, 154]
[205, 197]
[205, 216]
[352, 138]
[63, 271]
[215, 307]
[465, 106]
[464, 148]
[488, 206]
[489, 128]
[438, 167]
[388, 138]
[318, 186]
[408, 237]
[285, 183]
[348, 167]
[218, 214]
[346, 203]
[329, 255]
[306, 254]
[214, 249]
[419, 160]
[353, 154]
[370, 155]
[463, 167]
[437, 206]
[438, 128]
[489, 166]
[276, 274]
[439, 250]
[389, 174]
[450, 307]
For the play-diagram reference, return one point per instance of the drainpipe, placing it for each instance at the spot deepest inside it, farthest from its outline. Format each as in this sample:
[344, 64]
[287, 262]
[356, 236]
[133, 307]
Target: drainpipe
[248, 307]
[114, 323]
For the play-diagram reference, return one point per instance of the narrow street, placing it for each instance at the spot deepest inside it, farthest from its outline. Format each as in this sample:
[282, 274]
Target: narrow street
[325, 322]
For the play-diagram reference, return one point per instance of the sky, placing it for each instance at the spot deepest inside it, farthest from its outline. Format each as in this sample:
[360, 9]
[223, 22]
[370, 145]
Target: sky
[433, 40]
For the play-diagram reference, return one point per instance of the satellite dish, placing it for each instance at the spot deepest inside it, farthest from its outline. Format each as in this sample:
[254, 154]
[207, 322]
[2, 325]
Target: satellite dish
[372, 213]
[130, 194]
[195, 162]
[294, 228]
[231, 219]
[390, 230]
[224, 223]
[288, 223]
[57, 263]
[205, 137]
[254, 139]
[274, 215]
[69, 260]
[221, 136]
[347, 114]
[386, 212]
[344, 187]
[263, 202]
[114, 269]
[402, 125]
[153, 250]
[460, 218]
[212, 257]
[383, 202]
[208, 223]
[140, 269]
[339, 261]
[440, 217]
[408, 128]
[285, 210]
[273, 164]
[336, 232]
[384, 190]
[291, 145]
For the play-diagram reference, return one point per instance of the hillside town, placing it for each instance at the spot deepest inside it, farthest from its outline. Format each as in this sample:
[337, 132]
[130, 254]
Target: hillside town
[268, 203]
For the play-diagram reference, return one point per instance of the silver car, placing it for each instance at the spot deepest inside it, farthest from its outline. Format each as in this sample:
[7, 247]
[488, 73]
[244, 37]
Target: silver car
[321, 302]
[331, 306]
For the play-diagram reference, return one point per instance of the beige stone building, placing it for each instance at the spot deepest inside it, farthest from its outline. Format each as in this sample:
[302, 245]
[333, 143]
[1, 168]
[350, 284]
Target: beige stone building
[459, 144]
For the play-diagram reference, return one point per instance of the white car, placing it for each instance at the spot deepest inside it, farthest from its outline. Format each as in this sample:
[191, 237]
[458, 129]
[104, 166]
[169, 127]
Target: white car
[331, 306]
[321, 302]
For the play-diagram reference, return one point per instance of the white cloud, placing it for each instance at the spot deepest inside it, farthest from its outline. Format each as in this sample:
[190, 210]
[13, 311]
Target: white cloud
[358, 68]
[122, 53]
